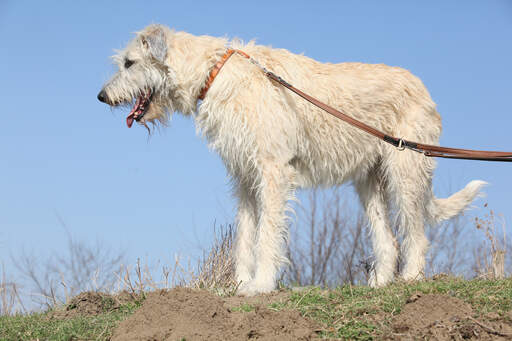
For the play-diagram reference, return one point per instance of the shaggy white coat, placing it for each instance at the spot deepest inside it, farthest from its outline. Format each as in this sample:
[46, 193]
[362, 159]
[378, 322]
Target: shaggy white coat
[273, 142]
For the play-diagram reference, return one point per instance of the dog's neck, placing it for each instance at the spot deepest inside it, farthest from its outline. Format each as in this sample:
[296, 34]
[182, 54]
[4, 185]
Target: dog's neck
[191, 61]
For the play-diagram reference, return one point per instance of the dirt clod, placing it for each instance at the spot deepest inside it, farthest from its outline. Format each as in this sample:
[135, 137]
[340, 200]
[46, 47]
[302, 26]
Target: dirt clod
[413, 298]
[199, 315]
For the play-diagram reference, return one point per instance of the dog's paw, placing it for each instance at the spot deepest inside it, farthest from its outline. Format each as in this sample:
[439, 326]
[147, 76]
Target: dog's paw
[243, 277]
[412, 276]
[379, 281]
[252, 288]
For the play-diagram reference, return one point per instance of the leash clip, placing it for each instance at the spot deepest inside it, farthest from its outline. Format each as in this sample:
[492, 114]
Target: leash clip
[401, 145]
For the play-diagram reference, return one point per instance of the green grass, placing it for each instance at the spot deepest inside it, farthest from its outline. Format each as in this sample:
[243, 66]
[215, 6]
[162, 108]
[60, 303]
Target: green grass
[244, 308]
[355, 312]
[43, 326]
[348, 312]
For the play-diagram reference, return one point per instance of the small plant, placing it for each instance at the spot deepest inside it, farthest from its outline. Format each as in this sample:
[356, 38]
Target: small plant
[490, 256]
[10, 300]
[244, 307]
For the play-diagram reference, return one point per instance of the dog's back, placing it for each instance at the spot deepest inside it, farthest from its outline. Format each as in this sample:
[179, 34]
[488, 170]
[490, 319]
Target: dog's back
[326, 150]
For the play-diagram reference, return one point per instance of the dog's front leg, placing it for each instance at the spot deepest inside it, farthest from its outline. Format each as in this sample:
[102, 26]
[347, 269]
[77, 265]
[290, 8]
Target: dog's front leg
[274, 190]
[245, 235]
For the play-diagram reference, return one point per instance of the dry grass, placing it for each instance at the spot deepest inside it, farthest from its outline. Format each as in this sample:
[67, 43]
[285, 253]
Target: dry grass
[216, 269]
[490, 256]
[140, 278]
[10, 300]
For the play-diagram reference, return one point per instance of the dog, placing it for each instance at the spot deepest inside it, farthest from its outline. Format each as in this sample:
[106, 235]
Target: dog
[273, 142]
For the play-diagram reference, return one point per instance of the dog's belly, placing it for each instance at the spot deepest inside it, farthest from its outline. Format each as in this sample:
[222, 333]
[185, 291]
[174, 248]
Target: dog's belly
[322, 168]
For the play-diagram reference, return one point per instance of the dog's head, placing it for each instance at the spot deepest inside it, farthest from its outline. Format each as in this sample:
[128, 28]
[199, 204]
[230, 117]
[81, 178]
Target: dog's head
[144, 79]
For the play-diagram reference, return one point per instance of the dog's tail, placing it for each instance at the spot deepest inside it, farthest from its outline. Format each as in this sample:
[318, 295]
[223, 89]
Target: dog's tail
[447, 208]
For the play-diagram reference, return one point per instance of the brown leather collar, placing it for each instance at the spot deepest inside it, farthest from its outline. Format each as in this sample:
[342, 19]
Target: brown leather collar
[216, 69]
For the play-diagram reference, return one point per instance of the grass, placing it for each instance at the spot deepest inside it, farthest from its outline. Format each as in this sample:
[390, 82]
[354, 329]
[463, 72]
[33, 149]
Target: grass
[355, 312]
[244, 307]
[347, 312]
[42, 326]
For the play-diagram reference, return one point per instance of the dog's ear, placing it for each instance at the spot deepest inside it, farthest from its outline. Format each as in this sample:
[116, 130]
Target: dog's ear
[154, 41]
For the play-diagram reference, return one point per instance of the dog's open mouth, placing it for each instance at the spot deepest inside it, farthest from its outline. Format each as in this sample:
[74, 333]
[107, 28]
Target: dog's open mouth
[139, 108]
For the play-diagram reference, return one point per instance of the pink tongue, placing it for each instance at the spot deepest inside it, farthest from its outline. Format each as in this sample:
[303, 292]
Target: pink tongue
[131, 115]
[129, 120]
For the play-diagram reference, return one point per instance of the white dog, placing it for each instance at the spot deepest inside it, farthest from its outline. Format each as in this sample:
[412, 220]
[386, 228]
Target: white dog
[272, 141]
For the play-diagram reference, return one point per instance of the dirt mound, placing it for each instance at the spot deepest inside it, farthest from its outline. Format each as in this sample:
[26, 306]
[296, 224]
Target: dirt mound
[440, 317]
[186, 314]
[92, 303]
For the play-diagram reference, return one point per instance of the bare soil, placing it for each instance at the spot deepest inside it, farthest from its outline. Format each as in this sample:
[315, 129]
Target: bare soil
[440, 317]
[187, 314]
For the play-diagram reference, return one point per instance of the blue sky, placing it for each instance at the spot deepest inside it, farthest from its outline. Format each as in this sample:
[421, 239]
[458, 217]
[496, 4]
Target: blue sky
[64, 154]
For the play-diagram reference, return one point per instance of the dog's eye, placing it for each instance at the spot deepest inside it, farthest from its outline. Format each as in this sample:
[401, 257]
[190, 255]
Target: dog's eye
[128, 63]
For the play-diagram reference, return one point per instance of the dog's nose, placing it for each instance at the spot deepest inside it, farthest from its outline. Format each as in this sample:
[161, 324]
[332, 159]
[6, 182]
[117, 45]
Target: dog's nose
[102, 96]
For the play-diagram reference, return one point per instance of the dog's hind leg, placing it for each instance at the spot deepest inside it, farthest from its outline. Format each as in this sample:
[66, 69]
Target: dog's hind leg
[275, 189]
[246, 235]
[372, 193]
[410, 180]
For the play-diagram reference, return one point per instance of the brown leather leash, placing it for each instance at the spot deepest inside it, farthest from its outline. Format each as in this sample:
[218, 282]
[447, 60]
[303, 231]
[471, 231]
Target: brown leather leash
[399, 143]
